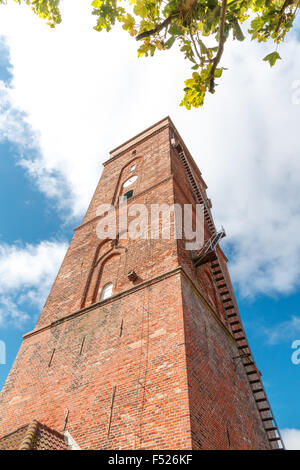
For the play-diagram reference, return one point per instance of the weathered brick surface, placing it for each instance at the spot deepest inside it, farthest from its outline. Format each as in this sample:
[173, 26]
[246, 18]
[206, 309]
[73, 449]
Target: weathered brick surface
[223, 411]
[152, 367]
[146, 364]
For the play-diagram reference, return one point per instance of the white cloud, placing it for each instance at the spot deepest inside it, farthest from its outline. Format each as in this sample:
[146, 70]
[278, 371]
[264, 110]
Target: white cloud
[85, 92]
[26, 275]
[12, 125]
[10, 313]
[283, 331]
[291, 438]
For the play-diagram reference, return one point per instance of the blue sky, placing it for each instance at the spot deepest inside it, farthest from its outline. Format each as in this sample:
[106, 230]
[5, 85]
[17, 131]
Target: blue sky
[280, 376]
[27, 217]
[66, 101]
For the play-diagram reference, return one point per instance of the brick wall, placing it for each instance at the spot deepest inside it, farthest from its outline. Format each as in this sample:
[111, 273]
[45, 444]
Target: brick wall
[136, 343]
[223, 411]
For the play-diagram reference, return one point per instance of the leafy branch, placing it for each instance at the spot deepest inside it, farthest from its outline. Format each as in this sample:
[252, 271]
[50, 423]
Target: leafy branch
[222, 39]
[147, 34]
[159, 24]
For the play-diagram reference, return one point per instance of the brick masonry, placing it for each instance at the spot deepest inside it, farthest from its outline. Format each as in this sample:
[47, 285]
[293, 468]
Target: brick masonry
[151, 367]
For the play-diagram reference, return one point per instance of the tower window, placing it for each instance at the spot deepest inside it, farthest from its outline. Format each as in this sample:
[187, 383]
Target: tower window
[130, 181]
[128, 195]
[106, 291]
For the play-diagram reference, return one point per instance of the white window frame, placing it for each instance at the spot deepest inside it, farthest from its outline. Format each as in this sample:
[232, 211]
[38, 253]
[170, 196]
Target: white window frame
[128, 183]
[106, 291]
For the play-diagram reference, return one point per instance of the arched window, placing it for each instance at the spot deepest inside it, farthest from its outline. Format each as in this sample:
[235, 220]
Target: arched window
[106, 291]
[130, 181]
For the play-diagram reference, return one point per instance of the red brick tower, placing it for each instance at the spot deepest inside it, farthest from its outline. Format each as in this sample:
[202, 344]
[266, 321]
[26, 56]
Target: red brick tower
[140, 344]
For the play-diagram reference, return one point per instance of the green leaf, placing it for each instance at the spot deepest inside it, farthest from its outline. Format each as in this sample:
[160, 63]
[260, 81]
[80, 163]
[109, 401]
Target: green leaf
[203, 48]
[175, 30]
[271, 58]
[238, 33]
[218, 73]
[97, 3]
[128, 22]
[169, 43]
[257, 23]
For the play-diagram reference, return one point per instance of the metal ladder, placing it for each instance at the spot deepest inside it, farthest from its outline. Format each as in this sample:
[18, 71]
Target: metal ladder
[246, 357]
[210, 255]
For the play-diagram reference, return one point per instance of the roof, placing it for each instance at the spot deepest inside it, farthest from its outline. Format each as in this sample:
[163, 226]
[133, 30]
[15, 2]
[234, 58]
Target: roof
[137, 138]
[34, 436]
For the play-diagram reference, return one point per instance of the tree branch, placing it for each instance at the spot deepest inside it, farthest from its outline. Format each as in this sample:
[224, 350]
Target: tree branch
[194, 44]
[219, 53]
[158, 28]
[184, 8]
[284, 6]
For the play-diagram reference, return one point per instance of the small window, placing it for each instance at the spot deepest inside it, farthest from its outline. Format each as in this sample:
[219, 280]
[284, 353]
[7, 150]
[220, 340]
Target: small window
[132, 168]
[106, 291]
[127, 195]
[130, 181]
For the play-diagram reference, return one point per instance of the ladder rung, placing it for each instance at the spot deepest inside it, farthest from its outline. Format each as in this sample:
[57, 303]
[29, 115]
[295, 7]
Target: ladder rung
[221, 278]
[243, 347]
[259, 400]
[271, 439]
[215, 273]
[231, 315]
[241, 338]
[220, 286]
[236, 322]
[239, 330]
[251, 372]
[224, 293]
[262, 410]
[255, 381]
[258, 390]
[267, 419]
[251, 363]
[229, 307]
[227, 300]
[273, 428]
